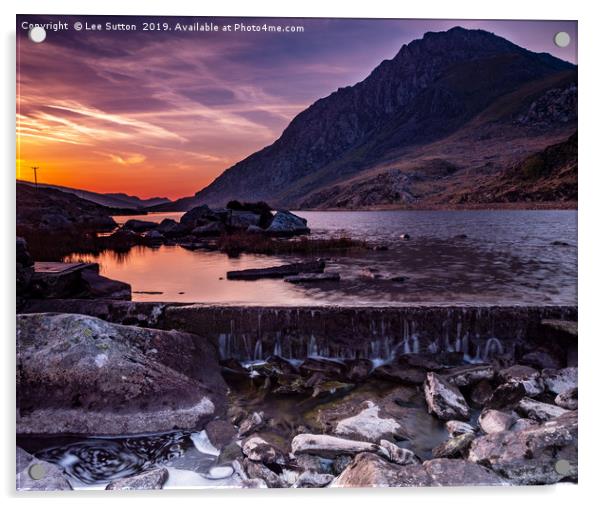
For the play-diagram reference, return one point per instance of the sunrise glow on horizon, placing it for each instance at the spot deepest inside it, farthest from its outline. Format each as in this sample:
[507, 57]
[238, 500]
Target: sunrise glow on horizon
[163, 114]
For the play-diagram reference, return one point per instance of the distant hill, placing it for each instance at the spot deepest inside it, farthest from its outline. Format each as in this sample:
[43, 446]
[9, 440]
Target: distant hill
[114, 200]
[450, 113]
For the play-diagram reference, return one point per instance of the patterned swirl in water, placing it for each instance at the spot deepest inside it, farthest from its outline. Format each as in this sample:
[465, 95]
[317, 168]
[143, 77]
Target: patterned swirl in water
[102, 460]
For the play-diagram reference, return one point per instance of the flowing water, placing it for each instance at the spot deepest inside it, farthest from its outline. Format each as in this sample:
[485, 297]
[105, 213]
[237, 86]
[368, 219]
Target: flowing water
[459, 257]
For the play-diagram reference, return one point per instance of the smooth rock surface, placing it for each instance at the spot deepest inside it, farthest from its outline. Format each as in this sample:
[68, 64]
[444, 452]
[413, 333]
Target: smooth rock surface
[329, 446]
[79, 374]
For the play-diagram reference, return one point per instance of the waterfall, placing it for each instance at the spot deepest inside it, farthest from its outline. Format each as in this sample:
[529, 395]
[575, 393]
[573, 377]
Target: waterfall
[379, 334]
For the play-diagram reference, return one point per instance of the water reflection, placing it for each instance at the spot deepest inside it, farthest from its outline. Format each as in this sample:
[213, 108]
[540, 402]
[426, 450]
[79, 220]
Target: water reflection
[521, 257]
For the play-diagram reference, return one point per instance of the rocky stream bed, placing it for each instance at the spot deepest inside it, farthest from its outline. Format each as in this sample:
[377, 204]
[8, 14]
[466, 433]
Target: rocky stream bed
[107, 405]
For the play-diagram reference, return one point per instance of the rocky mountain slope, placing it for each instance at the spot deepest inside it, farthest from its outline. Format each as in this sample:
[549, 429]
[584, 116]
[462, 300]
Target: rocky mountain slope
[448, 108]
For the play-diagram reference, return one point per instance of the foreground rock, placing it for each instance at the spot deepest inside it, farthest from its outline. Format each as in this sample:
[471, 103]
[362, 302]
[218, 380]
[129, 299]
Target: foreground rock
[51, 476]
[79, 374]
[444, 399]
[369, 470]
[529, 457]
[149, 480]
[280, 271]
[450, 473]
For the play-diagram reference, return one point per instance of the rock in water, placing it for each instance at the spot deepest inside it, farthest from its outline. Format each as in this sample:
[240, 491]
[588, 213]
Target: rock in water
[286, 223]
[367, 424]
[199, 214]
[148, 480]
[444, 399]
[529, 457]
[139, 225]
[313, 278]
[280, 271]
[329, 446]
[79, 374]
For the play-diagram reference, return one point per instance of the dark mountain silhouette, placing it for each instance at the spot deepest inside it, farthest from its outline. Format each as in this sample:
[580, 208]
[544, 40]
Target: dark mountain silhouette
[116, 200]
[447, 108]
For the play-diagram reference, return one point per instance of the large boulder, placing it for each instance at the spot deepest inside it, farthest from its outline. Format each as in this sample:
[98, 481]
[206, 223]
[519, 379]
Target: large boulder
[529, 457]
[199, 215]
[286, 223]
[79, 374]
[139, 225]
[444, 399]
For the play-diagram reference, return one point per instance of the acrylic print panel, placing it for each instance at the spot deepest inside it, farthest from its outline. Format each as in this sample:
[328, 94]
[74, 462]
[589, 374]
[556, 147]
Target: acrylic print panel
[295, 252]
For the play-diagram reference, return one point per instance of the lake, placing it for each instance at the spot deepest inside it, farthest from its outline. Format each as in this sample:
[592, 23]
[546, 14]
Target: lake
[452, 257]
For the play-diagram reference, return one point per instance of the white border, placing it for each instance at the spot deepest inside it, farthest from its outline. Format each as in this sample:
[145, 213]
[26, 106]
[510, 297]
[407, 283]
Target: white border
[590, 188]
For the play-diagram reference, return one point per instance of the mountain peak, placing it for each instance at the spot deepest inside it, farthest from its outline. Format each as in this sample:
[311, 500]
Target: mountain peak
[433, 87]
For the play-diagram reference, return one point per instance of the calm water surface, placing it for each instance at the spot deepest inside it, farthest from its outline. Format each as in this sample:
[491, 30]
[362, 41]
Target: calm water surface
[463, 257]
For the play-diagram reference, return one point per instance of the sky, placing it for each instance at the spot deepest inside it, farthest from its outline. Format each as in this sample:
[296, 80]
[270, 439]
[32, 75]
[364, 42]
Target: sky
[164, 112]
